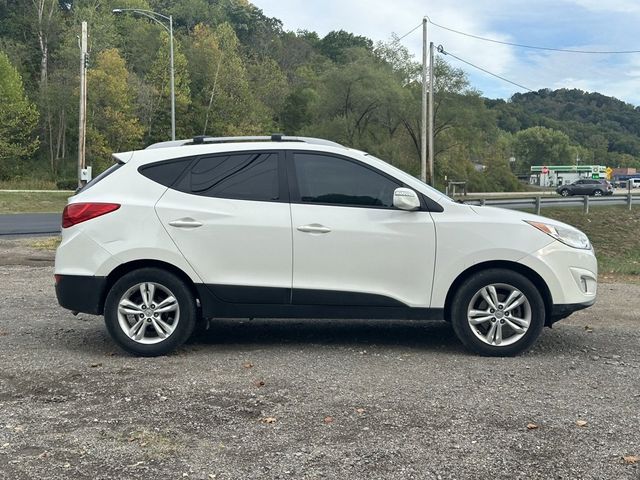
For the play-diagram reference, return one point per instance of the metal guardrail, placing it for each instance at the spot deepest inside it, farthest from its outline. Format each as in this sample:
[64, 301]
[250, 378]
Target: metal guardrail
[537, 202]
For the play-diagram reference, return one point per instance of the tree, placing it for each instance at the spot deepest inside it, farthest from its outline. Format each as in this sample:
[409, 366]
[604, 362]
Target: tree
[111, 122]
[224, 102]
[159, 77]
[542, 146]
[336, 43]
[18, 119]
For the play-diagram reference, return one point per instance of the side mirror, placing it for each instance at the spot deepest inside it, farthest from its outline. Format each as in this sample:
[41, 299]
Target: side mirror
[405, 199]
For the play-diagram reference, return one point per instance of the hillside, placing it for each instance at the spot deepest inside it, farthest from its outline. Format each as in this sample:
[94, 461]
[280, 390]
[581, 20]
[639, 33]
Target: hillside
[605, 126]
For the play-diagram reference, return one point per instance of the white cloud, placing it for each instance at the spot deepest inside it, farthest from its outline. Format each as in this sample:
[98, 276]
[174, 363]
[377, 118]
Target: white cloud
[565, 24]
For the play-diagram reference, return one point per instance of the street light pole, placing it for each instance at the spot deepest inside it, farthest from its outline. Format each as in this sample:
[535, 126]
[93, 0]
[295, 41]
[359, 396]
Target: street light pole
[154, 16]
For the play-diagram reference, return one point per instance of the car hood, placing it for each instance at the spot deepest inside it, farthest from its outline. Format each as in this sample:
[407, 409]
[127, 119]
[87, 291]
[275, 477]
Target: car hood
[507, 215]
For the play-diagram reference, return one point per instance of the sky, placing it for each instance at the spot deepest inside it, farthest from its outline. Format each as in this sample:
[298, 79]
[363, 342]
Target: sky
[610, 25]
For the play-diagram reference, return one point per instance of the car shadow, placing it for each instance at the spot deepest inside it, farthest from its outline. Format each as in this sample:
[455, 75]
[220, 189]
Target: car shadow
[435, 335]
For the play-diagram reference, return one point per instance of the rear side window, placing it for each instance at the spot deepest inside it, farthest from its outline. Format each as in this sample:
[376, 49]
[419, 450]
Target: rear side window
[166, 173]
[244, 176]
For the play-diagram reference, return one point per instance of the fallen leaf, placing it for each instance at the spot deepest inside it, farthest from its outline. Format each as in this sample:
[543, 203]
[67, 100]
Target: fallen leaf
[3, 333]
[581, 423]
[328, 419]
[268, 420]
[631, 459]
[248, 365]
[531, 426]
[43, 455]
[360, 410]
[259, 383]
[588, 328]
[95, 365]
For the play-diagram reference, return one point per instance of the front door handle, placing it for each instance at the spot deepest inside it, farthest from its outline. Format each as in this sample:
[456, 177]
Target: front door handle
[314, 228]
[185, 223]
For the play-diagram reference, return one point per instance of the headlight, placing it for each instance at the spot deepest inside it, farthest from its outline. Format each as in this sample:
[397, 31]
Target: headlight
[569, 236]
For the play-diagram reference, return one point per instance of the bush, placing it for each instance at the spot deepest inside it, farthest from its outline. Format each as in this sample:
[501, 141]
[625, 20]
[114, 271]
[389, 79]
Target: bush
[67, 184]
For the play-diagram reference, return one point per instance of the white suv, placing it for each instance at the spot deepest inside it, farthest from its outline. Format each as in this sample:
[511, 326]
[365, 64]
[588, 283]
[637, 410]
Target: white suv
[298, 227]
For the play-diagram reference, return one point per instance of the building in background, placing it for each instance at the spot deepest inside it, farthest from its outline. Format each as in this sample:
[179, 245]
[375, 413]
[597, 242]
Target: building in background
[555, 175]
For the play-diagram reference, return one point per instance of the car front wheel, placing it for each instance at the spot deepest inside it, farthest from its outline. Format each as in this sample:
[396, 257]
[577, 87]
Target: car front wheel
[564, 192]
[497, 312]
[150, 312]
[597, 193]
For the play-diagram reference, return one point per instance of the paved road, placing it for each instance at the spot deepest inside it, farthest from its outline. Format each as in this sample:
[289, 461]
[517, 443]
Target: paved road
[29, 224]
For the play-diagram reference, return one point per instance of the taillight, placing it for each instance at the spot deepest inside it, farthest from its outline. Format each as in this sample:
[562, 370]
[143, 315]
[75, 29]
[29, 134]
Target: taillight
[81, 212]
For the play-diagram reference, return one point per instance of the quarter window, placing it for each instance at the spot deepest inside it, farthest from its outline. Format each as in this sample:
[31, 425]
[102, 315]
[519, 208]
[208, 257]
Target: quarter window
[330, 180]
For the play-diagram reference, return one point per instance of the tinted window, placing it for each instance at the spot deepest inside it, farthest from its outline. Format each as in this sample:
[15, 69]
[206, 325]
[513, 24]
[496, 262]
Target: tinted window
[331, 180]
[165, 173]
[246, 176]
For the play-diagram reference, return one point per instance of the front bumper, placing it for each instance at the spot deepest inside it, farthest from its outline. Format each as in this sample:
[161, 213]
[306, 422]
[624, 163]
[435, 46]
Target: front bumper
[81, 293]
[560, 311]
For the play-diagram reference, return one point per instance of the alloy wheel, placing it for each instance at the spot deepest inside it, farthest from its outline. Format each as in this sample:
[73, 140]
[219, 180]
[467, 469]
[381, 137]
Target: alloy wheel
[148, 313]
[499, 314]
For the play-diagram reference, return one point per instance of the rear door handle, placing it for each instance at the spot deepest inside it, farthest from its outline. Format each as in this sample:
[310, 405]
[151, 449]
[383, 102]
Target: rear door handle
[314, 228]
[185, 223]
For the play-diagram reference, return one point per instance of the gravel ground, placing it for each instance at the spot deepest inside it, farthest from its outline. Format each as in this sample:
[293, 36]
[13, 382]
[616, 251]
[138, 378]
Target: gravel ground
[314, 399]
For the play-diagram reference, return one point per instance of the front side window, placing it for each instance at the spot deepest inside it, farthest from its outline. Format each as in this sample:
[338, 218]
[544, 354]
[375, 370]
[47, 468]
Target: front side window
[324, 179]
[242, 176]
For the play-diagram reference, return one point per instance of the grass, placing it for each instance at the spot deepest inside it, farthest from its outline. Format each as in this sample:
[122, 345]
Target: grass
[47, 243]
[40, 202]
[614, 232]
[27, 184]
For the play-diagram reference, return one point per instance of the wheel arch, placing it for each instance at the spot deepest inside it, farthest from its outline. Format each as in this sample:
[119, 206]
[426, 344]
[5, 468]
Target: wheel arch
[527, 272]
[128, 267]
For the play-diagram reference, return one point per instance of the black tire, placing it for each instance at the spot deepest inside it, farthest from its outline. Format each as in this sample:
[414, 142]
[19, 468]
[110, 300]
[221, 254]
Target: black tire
[597, 193]
[564, 192]
[461, 305]
[185, 302]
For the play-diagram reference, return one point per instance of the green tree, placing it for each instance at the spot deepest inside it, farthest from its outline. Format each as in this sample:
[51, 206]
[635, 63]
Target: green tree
[158, 115]
[18, 119]
[542, 146]
[111, 122]
[335, 44]
[224, 102]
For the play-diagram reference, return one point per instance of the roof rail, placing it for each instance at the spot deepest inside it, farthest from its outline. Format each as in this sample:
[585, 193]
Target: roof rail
[276, 137]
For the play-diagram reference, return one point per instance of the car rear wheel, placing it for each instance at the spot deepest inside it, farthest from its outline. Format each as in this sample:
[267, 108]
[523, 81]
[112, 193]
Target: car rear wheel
[150, 312]
[564, 192]
[497, 312]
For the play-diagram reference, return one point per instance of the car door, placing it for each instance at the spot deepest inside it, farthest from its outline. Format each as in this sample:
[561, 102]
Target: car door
[229, 215]
[350, 245]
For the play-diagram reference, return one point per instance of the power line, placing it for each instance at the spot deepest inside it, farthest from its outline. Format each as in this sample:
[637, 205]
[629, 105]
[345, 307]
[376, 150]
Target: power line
[410, 31]
[520, 45]
[444, 52]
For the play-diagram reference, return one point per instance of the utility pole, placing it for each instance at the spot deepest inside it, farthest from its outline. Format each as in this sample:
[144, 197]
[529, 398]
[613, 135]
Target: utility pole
[82, 129]
[431, 119]
[423, 126]
[173, 74]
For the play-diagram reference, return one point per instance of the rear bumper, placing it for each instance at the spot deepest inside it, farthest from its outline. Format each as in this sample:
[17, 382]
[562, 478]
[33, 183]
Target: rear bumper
[81, 293]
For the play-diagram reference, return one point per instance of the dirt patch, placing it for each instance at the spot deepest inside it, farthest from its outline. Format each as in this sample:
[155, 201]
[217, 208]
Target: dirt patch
[28, 251]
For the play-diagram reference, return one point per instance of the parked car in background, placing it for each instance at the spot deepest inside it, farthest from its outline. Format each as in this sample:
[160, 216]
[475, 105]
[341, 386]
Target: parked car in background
[586, 186]
[291, 227]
